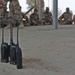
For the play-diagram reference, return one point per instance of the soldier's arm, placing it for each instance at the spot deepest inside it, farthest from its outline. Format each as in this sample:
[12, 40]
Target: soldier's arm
[61, 17]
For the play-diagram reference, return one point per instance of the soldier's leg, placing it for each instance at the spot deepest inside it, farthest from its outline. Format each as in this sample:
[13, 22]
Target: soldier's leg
[43, 21]
[69, 22]
[62, 22]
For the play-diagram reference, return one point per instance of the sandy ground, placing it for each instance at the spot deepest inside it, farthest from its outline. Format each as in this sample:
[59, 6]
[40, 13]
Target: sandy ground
[45, 51]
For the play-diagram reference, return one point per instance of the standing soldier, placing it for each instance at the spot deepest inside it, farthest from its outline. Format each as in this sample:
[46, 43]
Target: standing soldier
[66, 17]
[15, 12]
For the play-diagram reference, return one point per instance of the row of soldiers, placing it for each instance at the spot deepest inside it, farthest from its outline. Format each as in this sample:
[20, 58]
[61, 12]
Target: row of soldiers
[34, 18]
[47, 18]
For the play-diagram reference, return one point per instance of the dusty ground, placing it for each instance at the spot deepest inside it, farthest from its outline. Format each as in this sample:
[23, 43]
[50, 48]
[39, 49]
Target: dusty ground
[45, 51]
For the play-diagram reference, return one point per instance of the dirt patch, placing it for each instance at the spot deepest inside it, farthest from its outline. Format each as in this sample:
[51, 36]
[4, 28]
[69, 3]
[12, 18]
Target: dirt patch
[39, 64]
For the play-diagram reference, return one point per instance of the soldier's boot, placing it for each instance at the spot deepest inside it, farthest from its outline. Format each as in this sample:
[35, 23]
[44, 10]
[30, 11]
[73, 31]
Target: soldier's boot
[21, 25]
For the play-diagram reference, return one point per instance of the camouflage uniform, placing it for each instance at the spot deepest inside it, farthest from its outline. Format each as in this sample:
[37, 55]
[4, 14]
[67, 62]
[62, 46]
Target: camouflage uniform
[34, 19]
[15, 11]
[25, 20]
[65, 18]
[47, 17]
[3, 11]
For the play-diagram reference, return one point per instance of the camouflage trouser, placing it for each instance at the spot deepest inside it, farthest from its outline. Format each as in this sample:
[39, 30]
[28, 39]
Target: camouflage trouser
[46, 21]
[34, 22]
[63, 22]
[3, 22]
[16, 17]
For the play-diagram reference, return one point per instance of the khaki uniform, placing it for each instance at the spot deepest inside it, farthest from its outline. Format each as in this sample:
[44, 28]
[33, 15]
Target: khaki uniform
[34, 19]
[65, 18]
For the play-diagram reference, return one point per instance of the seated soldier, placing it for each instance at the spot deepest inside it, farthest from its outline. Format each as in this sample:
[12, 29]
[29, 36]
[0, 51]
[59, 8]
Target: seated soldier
[25, 20]
[34, 18]
[66, 17]
[47, 17]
